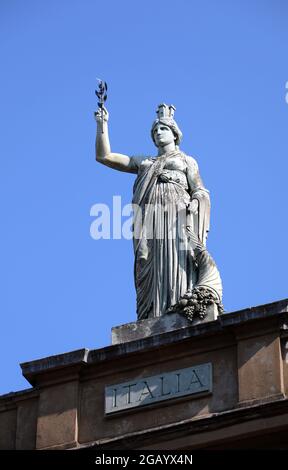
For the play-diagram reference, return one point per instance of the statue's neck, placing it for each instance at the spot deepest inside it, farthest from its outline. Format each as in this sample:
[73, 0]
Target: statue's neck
[166, 149]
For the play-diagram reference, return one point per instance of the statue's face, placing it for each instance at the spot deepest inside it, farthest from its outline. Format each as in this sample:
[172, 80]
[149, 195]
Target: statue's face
[163, 135]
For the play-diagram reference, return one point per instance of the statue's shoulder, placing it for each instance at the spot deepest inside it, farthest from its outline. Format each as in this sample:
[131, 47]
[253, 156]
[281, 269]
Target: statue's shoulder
[191, 162]
[137, 160]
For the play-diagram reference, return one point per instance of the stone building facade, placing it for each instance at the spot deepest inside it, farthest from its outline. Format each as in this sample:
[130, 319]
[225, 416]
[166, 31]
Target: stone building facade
[234, 397]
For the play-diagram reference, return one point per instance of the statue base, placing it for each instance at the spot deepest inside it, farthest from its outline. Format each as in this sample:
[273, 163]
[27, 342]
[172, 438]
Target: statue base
[154, 326]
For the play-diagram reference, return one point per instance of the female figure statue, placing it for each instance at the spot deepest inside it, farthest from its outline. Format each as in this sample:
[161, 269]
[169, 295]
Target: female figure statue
[173, 270]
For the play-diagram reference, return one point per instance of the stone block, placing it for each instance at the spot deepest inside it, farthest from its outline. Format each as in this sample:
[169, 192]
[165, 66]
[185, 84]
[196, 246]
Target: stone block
[154, 326]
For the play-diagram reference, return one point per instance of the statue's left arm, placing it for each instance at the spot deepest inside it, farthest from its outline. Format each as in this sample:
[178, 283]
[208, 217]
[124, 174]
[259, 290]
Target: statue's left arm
[199, 209]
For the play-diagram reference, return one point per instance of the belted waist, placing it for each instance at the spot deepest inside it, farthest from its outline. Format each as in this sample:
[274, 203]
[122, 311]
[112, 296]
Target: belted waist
[173, 176]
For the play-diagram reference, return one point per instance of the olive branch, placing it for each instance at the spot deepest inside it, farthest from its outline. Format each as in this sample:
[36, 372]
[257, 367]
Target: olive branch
[101, 94]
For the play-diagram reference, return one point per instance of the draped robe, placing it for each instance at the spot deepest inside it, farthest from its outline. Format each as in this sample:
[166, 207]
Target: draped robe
[165, 267]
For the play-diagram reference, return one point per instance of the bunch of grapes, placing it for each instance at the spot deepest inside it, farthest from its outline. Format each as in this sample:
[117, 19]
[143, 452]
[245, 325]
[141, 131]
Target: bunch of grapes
[195, 303]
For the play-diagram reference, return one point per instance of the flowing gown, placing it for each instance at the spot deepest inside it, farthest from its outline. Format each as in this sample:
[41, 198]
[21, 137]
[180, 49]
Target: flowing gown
[165, 267]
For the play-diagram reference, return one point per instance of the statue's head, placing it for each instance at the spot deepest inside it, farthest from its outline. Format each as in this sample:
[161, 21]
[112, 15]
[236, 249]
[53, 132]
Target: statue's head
[166, 118]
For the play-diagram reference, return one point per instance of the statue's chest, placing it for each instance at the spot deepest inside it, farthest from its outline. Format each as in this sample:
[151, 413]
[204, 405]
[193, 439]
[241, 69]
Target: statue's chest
[175, 163]
[172, 163]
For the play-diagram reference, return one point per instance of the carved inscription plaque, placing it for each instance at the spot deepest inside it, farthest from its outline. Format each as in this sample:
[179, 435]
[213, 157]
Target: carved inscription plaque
[148, 390]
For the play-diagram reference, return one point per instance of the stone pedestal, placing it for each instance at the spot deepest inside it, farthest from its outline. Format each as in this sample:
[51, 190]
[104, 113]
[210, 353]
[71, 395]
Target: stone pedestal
[153, 326]
[163, 384]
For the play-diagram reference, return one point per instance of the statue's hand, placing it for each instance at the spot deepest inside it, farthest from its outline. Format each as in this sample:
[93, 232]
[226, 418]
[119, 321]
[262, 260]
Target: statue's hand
[199, 196]
[193, 206]
[101, 115]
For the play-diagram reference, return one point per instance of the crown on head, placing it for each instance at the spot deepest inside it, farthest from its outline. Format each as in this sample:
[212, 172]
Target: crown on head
[165, 111]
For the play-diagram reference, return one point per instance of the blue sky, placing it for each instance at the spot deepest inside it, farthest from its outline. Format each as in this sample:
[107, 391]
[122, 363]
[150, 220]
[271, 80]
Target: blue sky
[223, 64]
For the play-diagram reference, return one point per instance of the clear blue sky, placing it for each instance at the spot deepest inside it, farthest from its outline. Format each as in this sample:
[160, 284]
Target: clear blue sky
[223, 64]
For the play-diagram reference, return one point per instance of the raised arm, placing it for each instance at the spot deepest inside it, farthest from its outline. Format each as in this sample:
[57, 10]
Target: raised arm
[117, 161]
